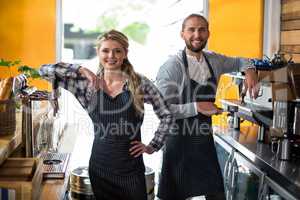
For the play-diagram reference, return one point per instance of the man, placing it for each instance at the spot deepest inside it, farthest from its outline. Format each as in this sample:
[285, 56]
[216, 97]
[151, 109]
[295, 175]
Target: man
[188, 81]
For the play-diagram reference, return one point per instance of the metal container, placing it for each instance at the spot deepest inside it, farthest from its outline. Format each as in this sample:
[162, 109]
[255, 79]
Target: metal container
[150, 183]
[296, 125]
[284, 148]
[274, 144]
[80, 185]
[280, 117]
[261, 134]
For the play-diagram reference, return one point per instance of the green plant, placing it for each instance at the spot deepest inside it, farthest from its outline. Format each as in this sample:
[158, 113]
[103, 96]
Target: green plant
[7, 63]
[28, 71]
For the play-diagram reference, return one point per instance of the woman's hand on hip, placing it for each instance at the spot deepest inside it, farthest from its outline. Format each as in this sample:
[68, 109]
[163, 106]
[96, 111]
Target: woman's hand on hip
[139, 148]
[90, 76]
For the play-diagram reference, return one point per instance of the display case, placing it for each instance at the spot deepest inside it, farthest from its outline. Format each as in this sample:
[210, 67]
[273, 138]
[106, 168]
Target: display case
[273, 191]
[242, 180]
[246, 179]
[225, 156]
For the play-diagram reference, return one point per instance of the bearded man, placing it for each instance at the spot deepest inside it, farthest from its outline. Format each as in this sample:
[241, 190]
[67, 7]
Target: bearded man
[188, 81]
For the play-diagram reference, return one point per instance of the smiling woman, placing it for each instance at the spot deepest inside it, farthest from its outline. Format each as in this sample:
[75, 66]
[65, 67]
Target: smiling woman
[114, 100]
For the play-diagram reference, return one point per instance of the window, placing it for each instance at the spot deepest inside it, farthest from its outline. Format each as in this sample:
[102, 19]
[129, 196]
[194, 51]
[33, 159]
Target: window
[153, 28]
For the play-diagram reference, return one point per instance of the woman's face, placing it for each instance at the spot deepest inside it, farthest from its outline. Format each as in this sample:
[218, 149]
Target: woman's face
[111, 54]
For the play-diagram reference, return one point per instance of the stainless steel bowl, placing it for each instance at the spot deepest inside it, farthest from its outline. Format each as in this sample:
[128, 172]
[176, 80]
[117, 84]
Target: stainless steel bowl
[80, 185]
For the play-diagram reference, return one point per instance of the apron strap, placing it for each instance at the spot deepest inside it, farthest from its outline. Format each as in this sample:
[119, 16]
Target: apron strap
[184, 58]
[186, 66]
[213, 77]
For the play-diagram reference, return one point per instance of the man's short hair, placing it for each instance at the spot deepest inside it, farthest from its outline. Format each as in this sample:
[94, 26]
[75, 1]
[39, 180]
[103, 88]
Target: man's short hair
[191, 16]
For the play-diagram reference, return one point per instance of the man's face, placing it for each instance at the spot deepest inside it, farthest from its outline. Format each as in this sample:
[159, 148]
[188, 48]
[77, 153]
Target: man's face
[195, 34]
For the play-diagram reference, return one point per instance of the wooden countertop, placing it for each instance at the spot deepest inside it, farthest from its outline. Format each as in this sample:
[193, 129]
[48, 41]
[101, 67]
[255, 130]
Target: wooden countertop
[55, 189]
[51, 189]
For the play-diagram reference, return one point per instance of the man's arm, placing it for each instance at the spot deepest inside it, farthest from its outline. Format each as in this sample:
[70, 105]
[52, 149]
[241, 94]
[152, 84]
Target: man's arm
[226, 64]
[233, 64]
[169, 81]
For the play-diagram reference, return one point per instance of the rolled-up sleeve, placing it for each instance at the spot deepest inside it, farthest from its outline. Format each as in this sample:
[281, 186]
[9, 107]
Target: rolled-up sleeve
[66, 75]
[161, 109]
[231, 64]
[169, 82]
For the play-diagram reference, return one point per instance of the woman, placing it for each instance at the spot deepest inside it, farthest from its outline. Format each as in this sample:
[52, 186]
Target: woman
[114, 99]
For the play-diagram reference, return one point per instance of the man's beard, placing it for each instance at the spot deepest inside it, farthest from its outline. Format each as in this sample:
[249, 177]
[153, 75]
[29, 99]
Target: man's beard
[195, 49]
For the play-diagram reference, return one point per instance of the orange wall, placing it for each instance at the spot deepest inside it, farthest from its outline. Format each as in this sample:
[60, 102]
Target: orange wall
[28, 33]
[236, 29]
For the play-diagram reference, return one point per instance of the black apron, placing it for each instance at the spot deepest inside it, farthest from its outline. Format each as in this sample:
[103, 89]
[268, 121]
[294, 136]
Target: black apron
[190, 165]
[114, 173]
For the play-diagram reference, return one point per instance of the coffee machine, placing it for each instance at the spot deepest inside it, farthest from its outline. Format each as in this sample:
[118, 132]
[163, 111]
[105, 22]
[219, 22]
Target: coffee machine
[285, 87]
[276, 110]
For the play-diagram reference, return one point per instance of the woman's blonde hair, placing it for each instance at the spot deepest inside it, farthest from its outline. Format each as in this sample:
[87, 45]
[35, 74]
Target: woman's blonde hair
[134, 80]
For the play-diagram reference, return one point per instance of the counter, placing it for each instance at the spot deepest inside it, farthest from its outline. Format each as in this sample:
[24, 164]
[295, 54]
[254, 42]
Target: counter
[285, 173]
[55, 189]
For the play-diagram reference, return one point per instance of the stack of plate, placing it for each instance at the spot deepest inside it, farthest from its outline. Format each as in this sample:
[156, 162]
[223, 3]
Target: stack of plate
[80, 185]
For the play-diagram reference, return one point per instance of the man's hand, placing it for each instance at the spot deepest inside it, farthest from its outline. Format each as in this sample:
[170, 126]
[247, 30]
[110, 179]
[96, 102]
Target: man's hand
[208, 108]
[251, 82]
[91, 77]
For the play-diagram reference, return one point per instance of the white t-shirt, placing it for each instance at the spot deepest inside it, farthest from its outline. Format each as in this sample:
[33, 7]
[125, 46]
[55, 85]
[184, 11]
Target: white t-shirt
[198, 70]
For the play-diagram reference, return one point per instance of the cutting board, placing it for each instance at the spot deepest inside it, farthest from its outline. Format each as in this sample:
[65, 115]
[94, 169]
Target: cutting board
[23, 175]
[23, 168]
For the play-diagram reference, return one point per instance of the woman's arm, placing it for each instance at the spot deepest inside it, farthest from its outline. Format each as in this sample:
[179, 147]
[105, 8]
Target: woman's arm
[161, 109]
[68, 76]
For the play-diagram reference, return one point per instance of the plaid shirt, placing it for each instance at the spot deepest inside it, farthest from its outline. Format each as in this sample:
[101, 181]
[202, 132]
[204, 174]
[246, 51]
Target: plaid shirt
[67, 76]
